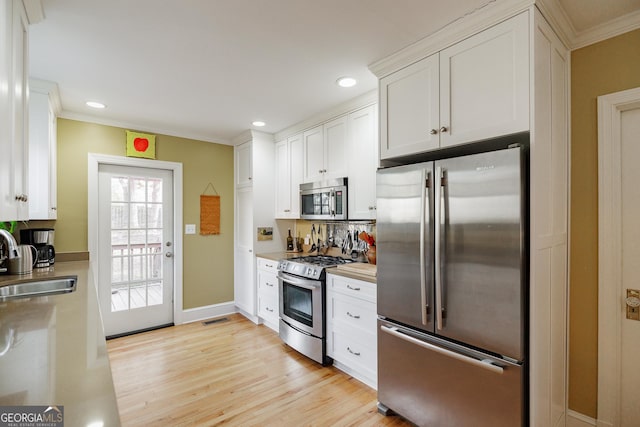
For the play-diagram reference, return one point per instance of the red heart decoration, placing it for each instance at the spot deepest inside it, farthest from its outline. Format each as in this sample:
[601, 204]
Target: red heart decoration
[141, 144]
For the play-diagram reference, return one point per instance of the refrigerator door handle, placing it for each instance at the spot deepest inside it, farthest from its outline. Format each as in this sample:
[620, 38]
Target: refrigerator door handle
[423, 273]
[484, 364]
[437, 256]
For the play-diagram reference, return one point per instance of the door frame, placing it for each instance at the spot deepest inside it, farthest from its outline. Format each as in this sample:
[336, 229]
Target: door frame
[610, 108]
[94, 161]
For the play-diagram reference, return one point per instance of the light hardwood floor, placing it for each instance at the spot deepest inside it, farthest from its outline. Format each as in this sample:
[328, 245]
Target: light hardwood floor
[232, 373]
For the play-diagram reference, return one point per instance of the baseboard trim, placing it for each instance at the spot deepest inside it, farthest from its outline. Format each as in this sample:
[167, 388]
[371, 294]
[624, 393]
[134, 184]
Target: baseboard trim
[576, 419]
[207, 312]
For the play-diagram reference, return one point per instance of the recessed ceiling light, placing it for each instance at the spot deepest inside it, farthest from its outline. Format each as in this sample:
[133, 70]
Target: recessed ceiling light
[258, 123]
[346, 81]
[94, 104]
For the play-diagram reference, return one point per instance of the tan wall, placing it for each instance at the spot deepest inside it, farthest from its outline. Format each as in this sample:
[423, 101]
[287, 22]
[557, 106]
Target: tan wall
[606, 67]
[208, 260]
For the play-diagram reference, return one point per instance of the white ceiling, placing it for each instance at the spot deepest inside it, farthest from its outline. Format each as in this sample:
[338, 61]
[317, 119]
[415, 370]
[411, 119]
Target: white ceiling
[205, 69]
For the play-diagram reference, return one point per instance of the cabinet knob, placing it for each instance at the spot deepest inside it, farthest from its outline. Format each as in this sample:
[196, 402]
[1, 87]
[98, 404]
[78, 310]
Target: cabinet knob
[319, 170]
[53, 208]
[433, 131]
[250, 178]
[443, 129]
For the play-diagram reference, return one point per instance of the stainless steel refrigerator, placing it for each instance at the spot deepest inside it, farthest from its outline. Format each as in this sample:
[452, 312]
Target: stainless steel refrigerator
[452, 290]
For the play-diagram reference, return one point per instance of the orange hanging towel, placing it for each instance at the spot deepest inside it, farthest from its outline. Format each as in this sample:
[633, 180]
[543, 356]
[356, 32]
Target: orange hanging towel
[209, 215]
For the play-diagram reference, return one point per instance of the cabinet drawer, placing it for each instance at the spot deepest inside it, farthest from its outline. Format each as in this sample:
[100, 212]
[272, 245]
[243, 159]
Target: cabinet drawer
[267, 284]
[359, 355]
[353, 287]
[268, 308]
[353, 312]
[267, 265]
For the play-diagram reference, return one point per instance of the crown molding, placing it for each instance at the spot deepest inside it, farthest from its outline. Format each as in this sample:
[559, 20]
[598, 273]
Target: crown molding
[613, 28]
[558, 19]
[156, 130]
[251, 135]
[487, 15]
[346, 107]
[48, 88]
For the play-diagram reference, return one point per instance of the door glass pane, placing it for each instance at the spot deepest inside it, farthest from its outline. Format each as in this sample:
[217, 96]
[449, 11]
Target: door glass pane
[298, 304]
[136, 243]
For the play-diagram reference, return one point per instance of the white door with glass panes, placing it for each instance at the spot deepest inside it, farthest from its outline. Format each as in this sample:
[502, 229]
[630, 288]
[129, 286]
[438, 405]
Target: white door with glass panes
[135, 222]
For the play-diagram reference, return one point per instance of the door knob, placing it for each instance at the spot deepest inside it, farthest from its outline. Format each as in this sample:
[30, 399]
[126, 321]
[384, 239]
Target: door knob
[169, 254]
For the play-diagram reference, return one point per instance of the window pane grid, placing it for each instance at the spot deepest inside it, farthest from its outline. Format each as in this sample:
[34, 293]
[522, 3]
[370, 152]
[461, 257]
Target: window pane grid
[136, 242]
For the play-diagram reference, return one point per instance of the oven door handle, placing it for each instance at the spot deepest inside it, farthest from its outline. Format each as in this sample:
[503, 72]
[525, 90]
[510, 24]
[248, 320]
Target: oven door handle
[296, 281]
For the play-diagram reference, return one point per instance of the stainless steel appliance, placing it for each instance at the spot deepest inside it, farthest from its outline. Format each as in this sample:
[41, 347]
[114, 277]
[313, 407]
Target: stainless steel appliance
[324, 200]
[302, 292]
[452, 290]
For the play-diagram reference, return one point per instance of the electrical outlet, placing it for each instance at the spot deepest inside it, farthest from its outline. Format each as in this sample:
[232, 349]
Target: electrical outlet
[190, 229]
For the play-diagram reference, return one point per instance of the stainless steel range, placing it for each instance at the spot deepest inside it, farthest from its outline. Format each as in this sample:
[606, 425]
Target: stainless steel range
[302, 283]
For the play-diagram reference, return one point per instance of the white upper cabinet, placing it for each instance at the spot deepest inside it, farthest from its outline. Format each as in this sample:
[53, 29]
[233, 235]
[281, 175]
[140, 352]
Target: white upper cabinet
[43, 104]
[363, 155]
[473, 90]
[324, 151]
[410, 104]
[244, 168]
[14, 121]
[484, 84]
[289, 175]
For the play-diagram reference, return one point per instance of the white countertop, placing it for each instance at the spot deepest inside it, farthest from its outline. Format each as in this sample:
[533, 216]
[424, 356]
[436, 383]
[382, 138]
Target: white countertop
[58, 354]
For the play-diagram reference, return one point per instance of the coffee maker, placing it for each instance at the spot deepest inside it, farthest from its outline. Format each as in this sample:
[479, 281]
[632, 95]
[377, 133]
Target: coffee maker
[42, 239]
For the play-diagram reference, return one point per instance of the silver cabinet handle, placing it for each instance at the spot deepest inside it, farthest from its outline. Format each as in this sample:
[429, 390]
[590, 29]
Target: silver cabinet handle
[269, 284]
[287, 210]
[53, 208]
[355, 353]
[270, 310]
[484, 364]
[269, 265]
[355, 316]
[443, 129]
[433, 131]
[169, 254]
[353, 289]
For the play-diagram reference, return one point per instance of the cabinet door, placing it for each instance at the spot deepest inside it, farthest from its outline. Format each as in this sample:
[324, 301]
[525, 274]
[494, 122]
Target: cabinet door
[296, 175]
[42, 157]
[484, 84]
[244, 288]
[313, 146]
[363, 155]
[243, 164]
[283, 180]
[335, 146]
[7, 195]
[409, 102]
[21, 111]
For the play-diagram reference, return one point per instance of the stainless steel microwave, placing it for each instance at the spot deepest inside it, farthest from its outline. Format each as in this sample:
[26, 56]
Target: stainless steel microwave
[324, 200]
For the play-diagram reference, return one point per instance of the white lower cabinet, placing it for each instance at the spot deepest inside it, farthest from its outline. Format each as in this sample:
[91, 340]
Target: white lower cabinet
[268, 302]
[351, 327]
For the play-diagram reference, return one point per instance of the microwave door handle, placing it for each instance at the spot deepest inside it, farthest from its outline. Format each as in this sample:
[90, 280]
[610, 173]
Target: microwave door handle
[332, 202]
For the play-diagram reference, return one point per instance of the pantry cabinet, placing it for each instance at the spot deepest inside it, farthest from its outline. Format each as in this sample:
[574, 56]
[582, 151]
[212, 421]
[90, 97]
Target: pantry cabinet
[351, 327]
[324, 151]
[254, 189]
[14, 91]
[473, 90]
[44, 105]
[289, 176]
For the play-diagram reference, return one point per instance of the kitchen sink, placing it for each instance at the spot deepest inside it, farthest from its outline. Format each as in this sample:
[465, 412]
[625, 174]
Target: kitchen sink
[38, 287]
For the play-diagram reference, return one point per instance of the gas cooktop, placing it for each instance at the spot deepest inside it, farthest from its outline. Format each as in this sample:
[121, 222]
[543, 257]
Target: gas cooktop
[311, 266]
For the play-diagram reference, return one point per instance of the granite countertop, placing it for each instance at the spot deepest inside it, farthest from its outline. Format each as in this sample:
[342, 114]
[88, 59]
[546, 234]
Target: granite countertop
[54, 352]
[276, 256]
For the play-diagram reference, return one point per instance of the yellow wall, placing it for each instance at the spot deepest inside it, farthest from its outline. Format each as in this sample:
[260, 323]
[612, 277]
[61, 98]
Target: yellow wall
[602, 68]
[208, 260]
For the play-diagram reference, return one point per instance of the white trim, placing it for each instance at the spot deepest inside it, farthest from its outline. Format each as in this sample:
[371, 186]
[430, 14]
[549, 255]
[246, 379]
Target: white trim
[198, 314]
[128, 125]
[613, 28]
[609, 250]
[94, 160]
[576, 419]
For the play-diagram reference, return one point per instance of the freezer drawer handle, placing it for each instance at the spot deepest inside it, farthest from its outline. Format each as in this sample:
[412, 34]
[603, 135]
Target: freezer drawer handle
[484, 364]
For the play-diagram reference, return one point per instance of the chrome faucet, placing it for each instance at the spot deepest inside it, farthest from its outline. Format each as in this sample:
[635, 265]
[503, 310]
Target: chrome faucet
[12, 245]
